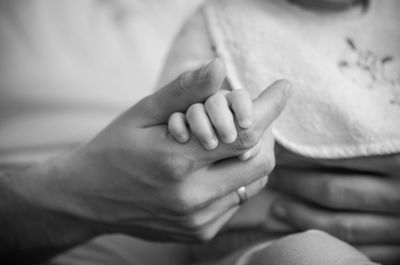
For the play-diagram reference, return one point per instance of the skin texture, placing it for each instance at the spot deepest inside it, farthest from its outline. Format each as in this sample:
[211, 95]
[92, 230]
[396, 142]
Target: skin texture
[182, 207]
[215, 118]
[373, 193]
[131, 178]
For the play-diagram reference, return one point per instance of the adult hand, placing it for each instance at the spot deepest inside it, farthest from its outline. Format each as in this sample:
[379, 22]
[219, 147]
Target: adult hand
[134, 178]
[357, 200]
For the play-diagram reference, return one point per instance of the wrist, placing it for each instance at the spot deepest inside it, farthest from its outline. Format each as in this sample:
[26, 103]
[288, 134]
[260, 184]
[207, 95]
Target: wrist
[39, 213]
[59, 191]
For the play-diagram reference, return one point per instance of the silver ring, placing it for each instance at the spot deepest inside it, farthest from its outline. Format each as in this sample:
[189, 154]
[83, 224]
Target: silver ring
[242, 194]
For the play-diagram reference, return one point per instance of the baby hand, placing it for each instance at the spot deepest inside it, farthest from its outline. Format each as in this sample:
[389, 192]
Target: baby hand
[214, 119]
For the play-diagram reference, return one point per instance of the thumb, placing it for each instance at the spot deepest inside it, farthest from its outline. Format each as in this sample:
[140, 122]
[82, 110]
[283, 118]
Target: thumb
[189, 88]
[267, 107]
[270, 103]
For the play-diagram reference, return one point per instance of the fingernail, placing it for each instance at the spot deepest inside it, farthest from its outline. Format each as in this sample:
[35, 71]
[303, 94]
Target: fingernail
[211, 144]
[206, 69]
[278, 210]
[287, 87]
[230, 138]
[183, 138]
[245, 124]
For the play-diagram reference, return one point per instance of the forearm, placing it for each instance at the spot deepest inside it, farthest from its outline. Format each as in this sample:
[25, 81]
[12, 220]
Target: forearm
[36, 219]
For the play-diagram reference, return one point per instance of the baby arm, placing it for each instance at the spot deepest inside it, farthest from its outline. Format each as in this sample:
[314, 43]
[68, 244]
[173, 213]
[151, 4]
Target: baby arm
[214, 120]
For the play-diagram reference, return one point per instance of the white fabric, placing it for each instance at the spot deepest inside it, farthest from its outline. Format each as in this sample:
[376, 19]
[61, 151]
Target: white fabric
[345, 69]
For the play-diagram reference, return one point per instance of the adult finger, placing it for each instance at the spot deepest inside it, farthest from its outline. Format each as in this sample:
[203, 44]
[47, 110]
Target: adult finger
[189, 88]
[212, 211]
[256, 213]
[352, 227]
[203, 222]
[224, 209]
[267, 108]
[341, 191]
[214, 227]
[270, 103]
[384, 254]
[384, 164]
[251, 190]
[223, 178]
[231, 174]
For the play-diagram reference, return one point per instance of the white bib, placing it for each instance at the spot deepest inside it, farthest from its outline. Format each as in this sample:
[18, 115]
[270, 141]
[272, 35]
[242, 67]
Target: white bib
[344, 66]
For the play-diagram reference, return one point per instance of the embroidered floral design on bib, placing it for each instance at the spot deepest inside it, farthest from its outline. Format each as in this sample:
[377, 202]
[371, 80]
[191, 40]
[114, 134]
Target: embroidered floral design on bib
[368, 68]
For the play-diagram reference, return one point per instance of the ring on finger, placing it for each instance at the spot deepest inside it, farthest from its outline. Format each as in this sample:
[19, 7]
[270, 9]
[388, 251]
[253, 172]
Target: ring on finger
[242, 195]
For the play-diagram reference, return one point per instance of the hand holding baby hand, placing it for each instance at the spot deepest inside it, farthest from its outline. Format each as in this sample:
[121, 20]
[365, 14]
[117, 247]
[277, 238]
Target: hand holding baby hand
[133, 178]
[220, 117]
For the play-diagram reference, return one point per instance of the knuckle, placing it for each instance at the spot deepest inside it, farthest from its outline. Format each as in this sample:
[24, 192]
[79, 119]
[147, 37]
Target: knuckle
[186, 203]
[333, 195]
[176, 167]
[203, 235]
[181, 207]
[344, 229]
[193, 223]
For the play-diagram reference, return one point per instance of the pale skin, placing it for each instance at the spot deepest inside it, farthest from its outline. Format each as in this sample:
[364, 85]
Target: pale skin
[215, 120]
[132, 177]
[52, 206]
[341, 188]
